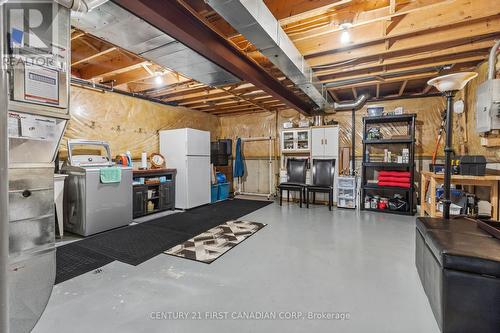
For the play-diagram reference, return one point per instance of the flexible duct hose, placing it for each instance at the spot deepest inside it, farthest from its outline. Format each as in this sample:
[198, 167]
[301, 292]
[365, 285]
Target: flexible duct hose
[492, 61]
[348, 106]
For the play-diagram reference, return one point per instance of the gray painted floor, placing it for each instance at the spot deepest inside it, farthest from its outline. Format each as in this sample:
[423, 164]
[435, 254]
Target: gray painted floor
[304, 260]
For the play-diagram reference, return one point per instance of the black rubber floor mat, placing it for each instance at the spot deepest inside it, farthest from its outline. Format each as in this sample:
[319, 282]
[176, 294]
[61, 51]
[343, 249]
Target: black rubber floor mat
[198, 220]
[192, 224]
[73, 260]
[134, 244]
[230, 209]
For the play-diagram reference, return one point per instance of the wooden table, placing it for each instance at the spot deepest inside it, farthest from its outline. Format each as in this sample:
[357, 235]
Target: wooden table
[490, 181]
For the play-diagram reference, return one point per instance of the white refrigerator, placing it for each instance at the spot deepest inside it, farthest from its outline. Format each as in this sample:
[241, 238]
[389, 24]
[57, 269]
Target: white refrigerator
[188, 151]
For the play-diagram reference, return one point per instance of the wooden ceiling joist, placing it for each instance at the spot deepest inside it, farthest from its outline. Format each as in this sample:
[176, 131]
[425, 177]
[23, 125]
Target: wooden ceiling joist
[428, 55]
[435, 39]
[224, 101]
[442, 15]
[95, 55]
[403, 87]
[395, 47]
[117, 64]
[382, 70]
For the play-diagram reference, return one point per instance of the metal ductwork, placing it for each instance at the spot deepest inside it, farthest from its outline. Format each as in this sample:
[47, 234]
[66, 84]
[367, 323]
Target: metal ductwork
[255, 21]
[119, 27]
[351, 106]
[82, 6]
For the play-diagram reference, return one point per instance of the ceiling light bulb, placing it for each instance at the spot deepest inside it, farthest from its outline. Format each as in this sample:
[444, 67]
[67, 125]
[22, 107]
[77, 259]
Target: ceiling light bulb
[345, 37]
[158, 79]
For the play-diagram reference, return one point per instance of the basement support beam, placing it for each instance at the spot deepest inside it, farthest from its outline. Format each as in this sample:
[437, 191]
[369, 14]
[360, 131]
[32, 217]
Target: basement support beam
[95, 55]
[426, 89]
[403, 87]
[354, 92]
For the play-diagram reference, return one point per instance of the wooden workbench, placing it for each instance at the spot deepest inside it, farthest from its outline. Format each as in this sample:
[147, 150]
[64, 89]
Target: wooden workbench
[490, 181]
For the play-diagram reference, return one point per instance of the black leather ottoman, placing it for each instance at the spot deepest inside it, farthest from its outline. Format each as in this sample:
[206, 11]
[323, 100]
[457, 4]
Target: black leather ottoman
[459, 267]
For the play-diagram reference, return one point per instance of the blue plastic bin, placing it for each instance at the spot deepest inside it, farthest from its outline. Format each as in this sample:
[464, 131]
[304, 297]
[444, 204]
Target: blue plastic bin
[215, 192]
[223, 191]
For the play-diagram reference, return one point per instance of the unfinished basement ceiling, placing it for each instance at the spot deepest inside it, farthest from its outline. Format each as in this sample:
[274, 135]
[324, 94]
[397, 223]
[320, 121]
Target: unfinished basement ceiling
[394, 48]
[114, 24]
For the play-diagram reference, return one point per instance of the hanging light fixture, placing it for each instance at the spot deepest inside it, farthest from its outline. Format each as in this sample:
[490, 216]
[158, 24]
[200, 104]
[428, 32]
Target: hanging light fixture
[158, 78]
[345, 37]
[449, 85]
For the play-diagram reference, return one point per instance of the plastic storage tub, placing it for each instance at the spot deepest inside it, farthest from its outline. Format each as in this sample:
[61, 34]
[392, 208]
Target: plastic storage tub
[223, 191]
[214, 192]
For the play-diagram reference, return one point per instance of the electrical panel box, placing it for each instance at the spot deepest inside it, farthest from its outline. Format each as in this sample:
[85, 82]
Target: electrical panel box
[488, 106]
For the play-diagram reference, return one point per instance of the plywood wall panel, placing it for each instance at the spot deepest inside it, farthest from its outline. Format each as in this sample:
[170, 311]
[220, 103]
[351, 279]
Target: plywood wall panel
[428, 112]
[128, 123]
[261, 124]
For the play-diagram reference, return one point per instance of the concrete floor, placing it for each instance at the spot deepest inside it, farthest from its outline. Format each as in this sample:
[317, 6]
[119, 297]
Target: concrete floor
[303, 261]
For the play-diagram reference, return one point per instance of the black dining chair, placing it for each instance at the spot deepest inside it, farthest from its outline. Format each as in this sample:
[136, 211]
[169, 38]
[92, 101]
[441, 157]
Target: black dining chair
[296, 179]
[323, 171]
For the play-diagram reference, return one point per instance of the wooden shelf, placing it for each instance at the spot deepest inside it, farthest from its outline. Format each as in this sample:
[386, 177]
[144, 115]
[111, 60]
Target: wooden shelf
[153, 172]
[392, 188]
[388, 141]
[296, 151]
[389, 119]
[389, 211]
[386, 165]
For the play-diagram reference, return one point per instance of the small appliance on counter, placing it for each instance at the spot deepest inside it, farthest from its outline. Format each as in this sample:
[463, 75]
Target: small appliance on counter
[98, 194]
[473, 165]
[375, 111]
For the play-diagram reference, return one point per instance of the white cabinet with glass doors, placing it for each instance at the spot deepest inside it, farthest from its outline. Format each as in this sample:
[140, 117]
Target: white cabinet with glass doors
[296, 140]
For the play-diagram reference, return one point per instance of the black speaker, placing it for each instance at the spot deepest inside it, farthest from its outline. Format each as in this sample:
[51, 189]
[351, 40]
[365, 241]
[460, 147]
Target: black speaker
[221, 151]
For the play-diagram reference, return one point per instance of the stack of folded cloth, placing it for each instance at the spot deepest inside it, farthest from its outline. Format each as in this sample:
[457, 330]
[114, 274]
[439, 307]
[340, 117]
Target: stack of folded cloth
[394, 178]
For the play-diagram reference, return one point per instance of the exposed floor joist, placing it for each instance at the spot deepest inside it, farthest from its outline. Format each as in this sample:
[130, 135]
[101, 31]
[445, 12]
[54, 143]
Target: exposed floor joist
[395, 47]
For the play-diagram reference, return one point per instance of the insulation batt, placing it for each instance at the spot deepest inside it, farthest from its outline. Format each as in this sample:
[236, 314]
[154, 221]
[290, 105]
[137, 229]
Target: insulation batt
[128, 123]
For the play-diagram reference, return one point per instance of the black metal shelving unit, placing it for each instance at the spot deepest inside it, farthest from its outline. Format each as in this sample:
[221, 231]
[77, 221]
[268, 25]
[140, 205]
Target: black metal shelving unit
[408, 142]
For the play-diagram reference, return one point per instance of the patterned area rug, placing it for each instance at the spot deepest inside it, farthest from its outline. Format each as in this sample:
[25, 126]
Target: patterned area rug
[212, 244]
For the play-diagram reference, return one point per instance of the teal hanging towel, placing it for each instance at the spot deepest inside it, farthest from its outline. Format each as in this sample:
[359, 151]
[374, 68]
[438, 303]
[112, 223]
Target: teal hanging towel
[111, 175]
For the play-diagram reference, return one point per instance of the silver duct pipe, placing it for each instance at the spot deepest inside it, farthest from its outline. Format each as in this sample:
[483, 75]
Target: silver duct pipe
[492, 61]
[81, 6]
[353, 107]
[350, 106]
[256, 22]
